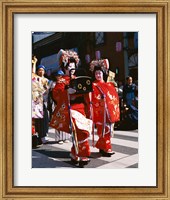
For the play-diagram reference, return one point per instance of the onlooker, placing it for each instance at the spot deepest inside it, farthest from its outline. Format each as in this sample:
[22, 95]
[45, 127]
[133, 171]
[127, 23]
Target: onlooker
[129, 90]
[40, 88]
[37, 101]
[130, 100]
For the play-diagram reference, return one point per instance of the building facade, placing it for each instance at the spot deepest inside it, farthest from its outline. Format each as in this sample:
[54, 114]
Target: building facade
[120, 48]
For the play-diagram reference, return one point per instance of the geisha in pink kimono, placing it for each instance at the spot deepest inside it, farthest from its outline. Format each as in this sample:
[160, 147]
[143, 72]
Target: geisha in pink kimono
[105, 103]
[72, 112]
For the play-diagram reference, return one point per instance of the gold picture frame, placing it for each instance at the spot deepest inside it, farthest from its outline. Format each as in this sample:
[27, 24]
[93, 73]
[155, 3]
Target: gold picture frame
[8, 10]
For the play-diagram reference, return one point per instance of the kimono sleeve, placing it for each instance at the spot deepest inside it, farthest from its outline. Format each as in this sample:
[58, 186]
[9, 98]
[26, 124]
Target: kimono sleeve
[57, 91]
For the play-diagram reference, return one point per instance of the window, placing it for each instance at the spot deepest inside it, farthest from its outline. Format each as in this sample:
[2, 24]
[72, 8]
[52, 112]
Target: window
[99, 37]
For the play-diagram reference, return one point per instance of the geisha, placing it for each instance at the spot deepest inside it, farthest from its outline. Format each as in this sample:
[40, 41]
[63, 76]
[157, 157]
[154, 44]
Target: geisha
[72, 110]
[105, 103]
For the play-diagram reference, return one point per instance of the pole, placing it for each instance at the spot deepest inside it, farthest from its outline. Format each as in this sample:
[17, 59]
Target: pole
[125, 47]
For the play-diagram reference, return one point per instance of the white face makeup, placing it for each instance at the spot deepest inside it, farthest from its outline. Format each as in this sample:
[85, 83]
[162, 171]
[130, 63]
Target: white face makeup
[99, 75]
[71, 69]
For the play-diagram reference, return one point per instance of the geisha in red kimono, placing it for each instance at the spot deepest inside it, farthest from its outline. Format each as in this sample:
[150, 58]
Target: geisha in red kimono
[70, 114]
[105, 102]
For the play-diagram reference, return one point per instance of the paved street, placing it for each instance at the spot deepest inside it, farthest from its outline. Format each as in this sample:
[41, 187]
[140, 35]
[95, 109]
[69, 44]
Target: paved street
[54, 155]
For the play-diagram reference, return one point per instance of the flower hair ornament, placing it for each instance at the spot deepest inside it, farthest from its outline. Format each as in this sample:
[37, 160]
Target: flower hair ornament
[64, 56]
[103, 63]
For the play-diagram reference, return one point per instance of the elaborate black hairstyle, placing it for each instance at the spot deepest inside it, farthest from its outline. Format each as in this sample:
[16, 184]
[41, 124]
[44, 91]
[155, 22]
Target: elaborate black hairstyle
[70, 60]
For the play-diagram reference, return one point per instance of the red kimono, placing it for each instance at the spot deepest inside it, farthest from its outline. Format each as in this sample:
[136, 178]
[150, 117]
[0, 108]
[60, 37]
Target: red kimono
[105, 111]
[79, 104]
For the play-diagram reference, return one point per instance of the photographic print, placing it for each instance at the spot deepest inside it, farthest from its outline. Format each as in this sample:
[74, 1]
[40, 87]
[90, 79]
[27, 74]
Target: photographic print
[96, 125]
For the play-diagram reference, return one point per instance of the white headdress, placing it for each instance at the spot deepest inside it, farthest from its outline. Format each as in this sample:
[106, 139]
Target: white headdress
[64, 56]
[104, 64]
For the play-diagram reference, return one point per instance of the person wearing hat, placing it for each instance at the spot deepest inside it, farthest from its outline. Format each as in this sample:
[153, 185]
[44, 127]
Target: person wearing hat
[37, 101]
[72, 110]
[105, 103]
[41, 122]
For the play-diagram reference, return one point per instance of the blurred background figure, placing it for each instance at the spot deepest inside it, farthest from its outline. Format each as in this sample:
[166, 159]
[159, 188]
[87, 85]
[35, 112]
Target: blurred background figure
[129, 111]
[40, 89]
[129, 90]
